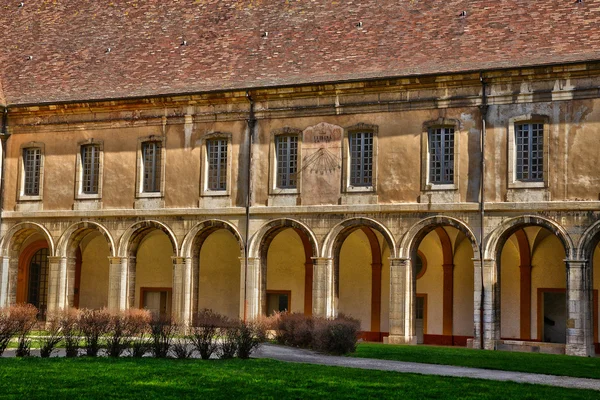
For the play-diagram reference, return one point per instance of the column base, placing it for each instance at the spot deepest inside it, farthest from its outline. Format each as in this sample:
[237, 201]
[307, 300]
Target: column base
[580, 350]
[398, 339]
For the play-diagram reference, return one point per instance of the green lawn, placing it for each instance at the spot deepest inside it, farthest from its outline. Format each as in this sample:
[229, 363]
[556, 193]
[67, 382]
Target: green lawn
[34, 378]
[504, 360]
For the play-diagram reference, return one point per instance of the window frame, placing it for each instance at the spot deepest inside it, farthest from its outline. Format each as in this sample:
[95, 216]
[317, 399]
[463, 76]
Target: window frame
[140, 193]
[274, 163]
[21, 179]
[205, 191]
[79, 193]
[348, 187]
[426, 183]
[513, 182]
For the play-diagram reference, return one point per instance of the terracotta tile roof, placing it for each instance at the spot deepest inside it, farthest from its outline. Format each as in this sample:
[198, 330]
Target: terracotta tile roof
[251, 43]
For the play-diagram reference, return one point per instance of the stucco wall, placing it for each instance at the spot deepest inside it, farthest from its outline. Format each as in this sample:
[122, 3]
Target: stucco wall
[93, 290]
[154, 266]
[219, 279]
[462, 313]
[431, 283]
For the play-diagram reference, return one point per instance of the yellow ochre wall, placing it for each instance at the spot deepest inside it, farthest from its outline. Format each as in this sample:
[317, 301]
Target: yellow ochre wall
[154, 267]
[93, 290]
[219, 279]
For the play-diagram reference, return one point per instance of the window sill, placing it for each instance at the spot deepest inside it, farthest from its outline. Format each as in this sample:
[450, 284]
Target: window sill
[440, 187]
[84, 196]
[527, 185]
[30, 198]
[360, 189]
[149, 195]
[215, 193]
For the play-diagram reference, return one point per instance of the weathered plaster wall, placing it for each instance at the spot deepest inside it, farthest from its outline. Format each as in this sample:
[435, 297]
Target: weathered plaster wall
[462, 313]
[431, 283]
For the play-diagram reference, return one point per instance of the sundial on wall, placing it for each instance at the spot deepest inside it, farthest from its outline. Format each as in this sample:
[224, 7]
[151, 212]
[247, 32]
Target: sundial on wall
[322, 161]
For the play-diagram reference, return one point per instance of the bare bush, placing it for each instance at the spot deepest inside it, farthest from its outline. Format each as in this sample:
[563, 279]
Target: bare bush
[206, 325]
[25, 319]
[118, 337]
[162, 331]
[52, 338]
[337, 336]
[93, 324]
[8, 329]
[70, 332]
[294, 329]
[181, 348]
[139, 321]
[228, 347]
[250, 336]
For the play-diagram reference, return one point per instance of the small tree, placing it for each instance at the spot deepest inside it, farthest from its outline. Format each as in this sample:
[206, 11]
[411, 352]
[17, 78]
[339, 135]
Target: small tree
[8, 329]
[25, 319]
[52, 338]
[93, 324]
[70, 333]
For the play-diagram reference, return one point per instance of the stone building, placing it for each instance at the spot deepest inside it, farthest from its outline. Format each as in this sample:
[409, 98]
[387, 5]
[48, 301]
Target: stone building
[430, 168]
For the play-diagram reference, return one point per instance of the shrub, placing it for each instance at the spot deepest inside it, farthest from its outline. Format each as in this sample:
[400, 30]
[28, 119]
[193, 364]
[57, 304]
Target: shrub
[182, 349]
[338, 336]
[52, 338]
[250, 335]
[118, 337]
[25, 319]
[140, 326]
[8, 329]
[70, 333]
[294, 329]
[162, 331]
[206, 325]
[229, 341]
[93, 324]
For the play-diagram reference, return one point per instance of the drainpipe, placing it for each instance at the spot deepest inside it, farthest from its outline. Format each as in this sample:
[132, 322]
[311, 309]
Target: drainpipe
[251, 124]
[4, 135]
[483, 108]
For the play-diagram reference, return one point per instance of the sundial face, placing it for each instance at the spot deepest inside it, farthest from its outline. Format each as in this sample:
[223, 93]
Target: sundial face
[321, 164]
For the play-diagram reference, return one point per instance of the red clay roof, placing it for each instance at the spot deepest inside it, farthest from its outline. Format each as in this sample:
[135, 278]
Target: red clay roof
[253, 43]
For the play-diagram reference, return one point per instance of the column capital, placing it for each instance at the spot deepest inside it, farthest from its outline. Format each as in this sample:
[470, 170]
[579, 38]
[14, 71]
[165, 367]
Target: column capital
[576, 263]
[321, 260]
[55, 259]
[177, 260]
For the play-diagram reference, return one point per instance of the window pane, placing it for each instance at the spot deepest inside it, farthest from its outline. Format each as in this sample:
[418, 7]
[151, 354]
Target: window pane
[151, 155]
[216, 151]
[529, 152]
[90, 168]
[32, 160]
[361, 158]
[441, 155]
[287, 161]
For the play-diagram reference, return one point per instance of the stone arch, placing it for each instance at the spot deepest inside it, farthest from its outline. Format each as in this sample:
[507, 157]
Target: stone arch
[416, 233]
[76, 232]
[495, 241]
[270, 229]
[588, 242]
[338, 234]
[132, 237]
[201, 231]
[18, 234]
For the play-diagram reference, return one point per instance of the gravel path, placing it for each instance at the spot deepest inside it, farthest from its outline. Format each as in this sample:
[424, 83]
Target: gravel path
[289, 354]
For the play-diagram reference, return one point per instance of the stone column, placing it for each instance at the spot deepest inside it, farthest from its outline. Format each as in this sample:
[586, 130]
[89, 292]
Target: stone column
[402, 310]
[491, 304]
[323, 301]
[131, 273]
[580, 330]
[70, 289]
[117, 284]
[57, 285]
[182, 290]
[4, 281]
[254, 289]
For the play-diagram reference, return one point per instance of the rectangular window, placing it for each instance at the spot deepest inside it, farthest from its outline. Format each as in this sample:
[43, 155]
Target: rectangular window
[287, 161]
[151, 156]
[90, 168]
[441, 155]
[529, 141]
[32, 161]
[216, 154]
[361, 158]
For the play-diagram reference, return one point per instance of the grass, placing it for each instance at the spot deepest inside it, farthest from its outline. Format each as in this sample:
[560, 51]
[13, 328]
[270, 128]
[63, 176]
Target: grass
[34, 378]
[503, 360]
